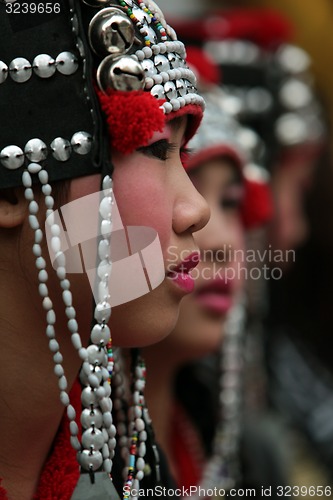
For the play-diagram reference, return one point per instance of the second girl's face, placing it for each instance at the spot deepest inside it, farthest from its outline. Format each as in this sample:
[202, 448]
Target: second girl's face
[152, 189]
[202, 315]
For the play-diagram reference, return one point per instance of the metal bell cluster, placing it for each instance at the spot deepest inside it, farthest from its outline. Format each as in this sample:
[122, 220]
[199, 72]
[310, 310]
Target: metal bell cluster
[111, 35]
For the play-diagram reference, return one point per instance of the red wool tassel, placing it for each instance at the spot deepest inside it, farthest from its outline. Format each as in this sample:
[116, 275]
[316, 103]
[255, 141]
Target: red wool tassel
[132, 118]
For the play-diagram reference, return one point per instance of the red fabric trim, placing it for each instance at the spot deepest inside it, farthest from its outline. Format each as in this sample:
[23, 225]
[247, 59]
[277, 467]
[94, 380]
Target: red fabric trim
[257, 206]
[195, 113]
[133, 117]
[3, 493]
[61, 472]
[187, 449]
[209, 153]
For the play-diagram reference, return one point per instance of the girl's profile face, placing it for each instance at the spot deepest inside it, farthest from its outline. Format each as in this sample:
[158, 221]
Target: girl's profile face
[152, 189]
[203, 313]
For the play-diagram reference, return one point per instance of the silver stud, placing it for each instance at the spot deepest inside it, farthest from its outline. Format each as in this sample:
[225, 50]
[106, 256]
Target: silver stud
[111, 32]
[89, 417]
[170, 90]
[90, 459]
[3, 71]
[161, 63]
[81, 142]
[124, 73]
[44, 66]
[149, 67]
[93, 438]
[67, 63]
[95, 355]
[61, 149]
[158, 92]
[20, 70]
[35, 150]
[181, 89]
[12, 157]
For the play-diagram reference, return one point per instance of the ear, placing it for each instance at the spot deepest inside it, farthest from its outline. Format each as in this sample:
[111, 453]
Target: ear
[13, 207]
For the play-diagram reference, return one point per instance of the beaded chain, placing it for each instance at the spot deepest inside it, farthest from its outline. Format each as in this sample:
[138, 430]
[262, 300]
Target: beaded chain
[136, 428]
[98, 437]
[222, 470]
[96, 418]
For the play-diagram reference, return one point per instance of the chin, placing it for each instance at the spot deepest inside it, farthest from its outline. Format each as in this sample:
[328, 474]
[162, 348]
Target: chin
[200, 336]
[144, 321]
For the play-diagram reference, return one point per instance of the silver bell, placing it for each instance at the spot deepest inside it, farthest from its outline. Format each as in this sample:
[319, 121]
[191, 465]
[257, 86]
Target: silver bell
[111, 32]
[123, 73]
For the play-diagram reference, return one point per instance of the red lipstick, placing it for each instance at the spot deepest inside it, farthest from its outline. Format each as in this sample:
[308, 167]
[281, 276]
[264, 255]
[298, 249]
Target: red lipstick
[216, 296]
[180, 274]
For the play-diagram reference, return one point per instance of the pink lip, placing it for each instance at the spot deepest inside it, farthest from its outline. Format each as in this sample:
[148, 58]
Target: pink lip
[216, 296]
[180, 274]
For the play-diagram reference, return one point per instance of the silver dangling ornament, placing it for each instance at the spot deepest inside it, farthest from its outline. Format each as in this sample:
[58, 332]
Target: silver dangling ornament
[101, 489]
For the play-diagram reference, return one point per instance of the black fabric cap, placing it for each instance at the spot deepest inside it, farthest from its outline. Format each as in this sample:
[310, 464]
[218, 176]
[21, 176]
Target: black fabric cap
[46, 108]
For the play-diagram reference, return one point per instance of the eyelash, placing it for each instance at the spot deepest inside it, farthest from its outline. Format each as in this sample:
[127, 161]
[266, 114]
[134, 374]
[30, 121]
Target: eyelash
[162, 149]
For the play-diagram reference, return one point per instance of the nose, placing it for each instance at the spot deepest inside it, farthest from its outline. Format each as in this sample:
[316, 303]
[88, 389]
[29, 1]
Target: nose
[191, 211]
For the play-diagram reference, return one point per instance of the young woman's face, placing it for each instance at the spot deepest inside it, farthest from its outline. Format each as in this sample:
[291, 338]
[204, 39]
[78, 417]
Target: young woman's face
[203, 313]
[152, 189]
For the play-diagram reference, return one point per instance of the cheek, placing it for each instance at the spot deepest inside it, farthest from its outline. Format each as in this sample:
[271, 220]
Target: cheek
[143, 200]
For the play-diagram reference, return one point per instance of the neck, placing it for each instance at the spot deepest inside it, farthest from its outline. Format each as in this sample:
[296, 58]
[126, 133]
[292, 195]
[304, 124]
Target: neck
[30, 407]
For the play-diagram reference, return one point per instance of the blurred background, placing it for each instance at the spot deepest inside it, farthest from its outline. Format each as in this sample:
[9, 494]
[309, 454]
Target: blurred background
[299, 370]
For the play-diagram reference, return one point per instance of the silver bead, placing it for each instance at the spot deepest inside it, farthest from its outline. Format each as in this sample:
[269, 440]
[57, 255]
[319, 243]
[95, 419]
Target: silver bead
[104, 268]
[35, 150]
[104, 249]
[100, 333]
[149, 67]
[12, 157]
[90, 460]
[102, 312]
[111, 32]
[81, 143]
[124, 73]
[66, 63]
[170, 90]
[105, 207]
[93, 437]
[34, 168]
[158, 92]
[95, 355]
[91, 417]
[61, 149]
[20, 70]
[88, 397]
[44, 66]
[161, 63]
[3, 71]
[106, 228]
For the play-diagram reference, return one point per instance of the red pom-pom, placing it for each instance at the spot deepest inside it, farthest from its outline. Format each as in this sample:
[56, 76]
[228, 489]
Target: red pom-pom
[132, 118]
